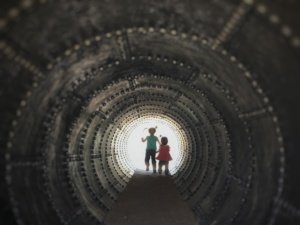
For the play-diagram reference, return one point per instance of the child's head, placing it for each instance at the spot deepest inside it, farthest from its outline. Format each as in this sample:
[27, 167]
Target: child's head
[164, 140]
[152, 130]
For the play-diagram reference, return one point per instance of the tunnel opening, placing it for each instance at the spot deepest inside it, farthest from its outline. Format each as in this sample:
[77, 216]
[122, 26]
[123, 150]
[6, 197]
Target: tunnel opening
[128, 139]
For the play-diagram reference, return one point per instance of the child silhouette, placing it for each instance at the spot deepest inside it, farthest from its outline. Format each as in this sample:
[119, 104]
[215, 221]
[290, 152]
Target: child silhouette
[164, 156]
[151, 149]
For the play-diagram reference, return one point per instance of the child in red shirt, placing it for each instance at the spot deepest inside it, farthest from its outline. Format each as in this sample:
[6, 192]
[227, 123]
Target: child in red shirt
[164, 156]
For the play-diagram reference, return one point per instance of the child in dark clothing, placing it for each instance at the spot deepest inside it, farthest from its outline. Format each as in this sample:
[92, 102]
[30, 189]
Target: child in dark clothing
[164, 156]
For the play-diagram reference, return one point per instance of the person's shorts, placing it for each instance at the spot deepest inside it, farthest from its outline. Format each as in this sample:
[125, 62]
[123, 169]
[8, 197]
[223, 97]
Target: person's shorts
[150, 153]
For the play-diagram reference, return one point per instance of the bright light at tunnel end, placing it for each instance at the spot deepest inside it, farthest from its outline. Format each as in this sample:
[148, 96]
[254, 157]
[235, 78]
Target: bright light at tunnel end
[130, 140]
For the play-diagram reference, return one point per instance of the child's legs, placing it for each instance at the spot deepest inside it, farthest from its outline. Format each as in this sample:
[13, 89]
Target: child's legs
[152, 155]
[147, 158]
[167, 168]
[160, 164]
[167, 165]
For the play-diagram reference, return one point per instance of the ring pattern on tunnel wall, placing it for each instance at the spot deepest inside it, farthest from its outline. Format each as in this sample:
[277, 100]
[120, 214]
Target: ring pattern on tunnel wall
[82, 109]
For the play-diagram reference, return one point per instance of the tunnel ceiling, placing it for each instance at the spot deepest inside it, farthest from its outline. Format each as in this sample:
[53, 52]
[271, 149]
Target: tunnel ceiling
[75, 74]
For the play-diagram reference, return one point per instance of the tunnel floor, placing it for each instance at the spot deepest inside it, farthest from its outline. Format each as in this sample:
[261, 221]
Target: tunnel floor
[150, 199]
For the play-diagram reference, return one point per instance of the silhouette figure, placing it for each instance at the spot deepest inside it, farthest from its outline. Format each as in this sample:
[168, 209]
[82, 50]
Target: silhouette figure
[164, 156]
[151, 149]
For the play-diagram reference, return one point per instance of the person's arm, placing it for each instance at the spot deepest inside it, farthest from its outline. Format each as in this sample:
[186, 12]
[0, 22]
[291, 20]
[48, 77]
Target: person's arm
[158, 150]
[144, 139]
[158, 141]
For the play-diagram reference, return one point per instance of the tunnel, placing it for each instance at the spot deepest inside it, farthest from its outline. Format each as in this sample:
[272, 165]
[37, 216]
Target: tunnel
[81, 80]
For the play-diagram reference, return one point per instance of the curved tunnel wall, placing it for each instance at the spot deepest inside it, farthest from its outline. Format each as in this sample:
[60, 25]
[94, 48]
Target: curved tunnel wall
[63, 149]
